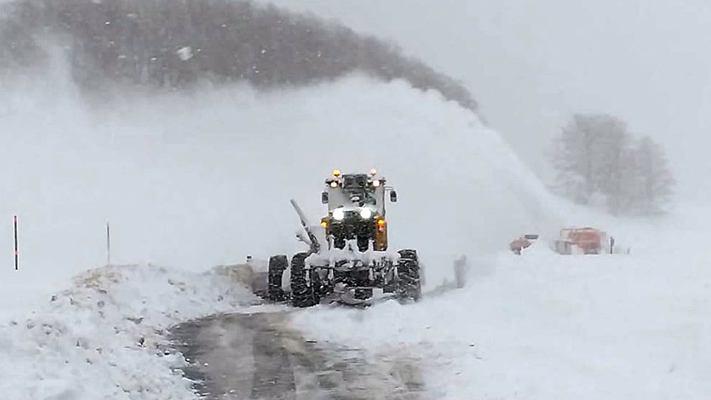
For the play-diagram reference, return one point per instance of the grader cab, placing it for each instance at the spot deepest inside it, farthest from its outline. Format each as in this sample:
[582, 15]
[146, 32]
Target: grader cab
[356, 210]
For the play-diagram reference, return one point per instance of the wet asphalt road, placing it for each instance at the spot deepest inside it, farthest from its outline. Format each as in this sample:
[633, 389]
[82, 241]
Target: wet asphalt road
[255, 356]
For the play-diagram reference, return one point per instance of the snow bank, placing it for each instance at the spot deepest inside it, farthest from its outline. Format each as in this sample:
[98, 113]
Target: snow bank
[105, 337]
[545, 326]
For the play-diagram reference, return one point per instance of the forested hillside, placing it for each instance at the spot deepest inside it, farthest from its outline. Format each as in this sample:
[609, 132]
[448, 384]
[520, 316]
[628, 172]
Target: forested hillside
[174, 45]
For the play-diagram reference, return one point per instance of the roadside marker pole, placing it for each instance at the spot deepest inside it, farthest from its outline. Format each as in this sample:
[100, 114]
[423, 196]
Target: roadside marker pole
[108, 244]
[16, 252]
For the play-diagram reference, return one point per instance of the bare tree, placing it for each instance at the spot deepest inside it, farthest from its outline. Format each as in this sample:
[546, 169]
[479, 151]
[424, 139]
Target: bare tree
[572, 162]
[654, 181]
[597, 164]
[588, 156]
[610, 160]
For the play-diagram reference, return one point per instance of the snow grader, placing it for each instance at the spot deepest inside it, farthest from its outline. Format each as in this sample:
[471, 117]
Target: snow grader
[348, 256]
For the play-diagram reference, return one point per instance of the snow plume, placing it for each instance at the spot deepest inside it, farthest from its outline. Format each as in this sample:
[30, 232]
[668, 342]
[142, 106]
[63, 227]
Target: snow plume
[105, 337]
[201, 180]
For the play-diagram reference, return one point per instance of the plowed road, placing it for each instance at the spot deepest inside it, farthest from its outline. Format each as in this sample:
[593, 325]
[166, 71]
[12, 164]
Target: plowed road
[255, 356]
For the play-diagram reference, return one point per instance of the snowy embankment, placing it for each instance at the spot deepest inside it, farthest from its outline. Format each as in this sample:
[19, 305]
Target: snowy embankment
[545, 326]
[105, 338]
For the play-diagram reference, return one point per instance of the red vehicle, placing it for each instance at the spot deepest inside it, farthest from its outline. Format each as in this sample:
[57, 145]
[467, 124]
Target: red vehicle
[522, 243]
[589, 240]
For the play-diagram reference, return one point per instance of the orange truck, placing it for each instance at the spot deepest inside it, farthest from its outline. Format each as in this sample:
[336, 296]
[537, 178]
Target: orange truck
[588, 240]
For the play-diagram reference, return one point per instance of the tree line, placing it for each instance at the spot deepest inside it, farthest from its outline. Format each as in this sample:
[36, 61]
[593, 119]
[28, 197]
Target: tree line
[177, 44]
[599, 162]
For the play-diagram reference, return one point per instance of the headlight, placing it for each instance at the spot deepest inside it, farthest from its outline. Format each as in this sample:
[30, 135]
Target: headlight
[376, 183]
[366, 213]
[338, 214]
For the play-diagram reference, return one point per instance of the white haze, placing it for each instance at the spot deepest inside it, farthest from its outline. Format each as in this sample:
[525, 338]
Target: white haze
[531, 64]
[195, 181]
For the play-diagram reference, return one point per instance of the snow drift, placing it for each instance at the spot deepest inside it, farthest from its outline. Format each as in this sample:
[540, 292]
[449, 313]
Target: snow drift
[105, 337]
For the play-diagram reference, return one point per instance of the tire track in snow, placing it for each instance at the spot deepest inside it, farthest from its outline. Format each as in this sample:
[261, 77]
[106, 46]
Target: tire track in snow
[255, 356]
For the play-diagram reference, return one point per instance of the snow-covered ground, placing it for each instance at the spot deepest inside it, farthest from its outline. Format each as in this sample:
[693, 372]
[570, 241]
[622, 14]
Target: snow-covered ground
[105, 336]
[534, 326]
[545, 326]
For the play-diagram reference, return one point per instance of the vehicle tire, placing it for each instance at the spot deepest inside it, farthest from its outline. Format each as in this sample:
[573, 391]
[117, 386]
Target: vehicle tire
[318, 287]
[408, 272]
[302, 294]
[277, 266]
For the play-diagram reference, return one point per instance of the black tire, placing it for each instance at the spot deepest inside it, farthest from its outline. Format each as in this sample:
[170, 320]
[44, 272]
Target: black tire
[302, 294]
[318, 288]
[277, 266]
[408, 272]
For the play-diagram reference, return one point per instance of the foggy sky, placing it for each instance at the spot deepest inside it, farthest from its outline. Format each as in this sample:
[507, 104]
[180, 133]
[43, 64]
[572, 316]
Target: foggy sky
[533, 63]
